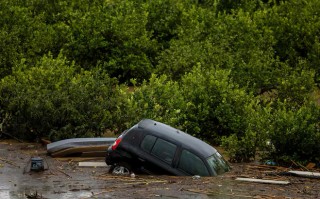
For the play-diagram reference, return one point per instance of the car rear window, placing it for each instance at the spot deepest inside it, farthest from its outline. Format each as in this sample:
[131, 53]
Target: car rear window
[192, 164]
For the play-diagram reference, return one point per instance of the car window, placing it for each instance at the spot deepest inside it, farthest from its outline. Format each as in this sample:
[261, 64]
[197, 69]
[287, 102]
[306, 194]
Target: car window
[192, 164]
[164, 150]
[148, 142]
[218, 164]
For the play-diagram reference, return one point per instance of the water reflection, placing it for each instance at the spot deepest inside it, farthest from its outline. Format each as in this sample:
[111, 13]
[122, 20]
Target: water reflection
[5, 194]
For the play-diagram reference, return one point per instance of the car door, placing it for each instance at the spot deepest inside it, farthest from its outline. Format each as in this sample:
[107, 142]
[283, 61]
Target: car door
[192, 164]
[157, 155]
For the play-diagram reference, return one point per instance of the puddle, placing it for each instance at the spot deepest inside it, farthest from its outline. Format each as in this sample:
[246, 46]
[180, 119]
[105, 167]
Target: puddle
[69, 195]
[7, 194]
[4, 194]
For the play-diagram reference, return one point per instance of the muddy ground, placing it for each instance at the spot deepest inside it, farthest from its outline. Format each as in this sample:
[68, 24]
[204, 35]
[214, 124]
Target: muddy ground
[65, 179]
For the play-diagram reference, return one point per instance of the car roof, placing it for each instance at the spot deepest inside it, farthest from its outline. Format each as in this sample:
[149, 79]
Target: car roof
[173, 134]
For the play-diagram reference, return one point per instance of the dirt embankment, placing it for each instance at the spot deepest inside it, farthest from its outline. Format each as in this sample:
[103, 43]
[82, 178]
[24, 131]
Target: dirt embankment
[65, 179]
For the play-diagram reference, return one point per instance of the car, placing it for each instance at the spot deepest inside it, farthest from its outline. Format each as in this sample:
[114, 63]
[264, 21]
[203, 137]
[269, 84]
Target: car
[155, 148]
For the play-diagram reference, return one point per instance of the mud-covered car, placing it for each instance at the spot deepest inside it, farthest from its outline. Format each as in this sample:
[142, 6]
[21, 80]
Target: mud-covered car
[156, 148]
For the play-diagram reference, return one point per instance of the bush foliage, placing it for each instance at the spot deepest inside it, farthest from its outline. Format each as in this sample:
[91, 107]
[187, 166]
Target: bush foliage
[232, 72]
[57, 99]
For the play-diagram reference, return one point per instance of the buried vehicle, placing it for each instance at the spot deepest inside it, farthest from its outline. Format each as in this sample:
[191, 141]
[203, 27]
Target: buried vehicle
[156, 148]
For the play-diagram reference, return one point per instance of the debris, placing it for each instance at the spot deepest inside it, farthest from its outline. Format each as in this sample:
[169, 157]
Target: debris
[78, 142]
[34, 196]
[92, 164]
[233, 195]
[197, 191]
[263, 181]
[300, 165]
[264, 167]
[94, 195]
[311, 165]
[129, 180]
[96, 151]
[89, 147]
[305, 174]
[281, 173]
[270, 162]
[37, 164]
[64, 173]
[196, 177]
[78, 159]
[132, 175]
[9, 135]
[9, 162]
[45, 141]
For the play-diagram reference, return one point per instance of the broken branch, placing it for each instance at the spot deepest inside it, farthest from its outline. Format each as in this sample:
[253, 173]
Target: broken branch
[9, 162]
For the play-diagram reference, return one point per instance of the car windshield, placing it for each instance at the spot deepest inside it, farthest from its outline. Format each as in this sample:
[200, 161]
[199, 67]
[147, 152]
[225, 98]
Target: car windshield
[218, 164]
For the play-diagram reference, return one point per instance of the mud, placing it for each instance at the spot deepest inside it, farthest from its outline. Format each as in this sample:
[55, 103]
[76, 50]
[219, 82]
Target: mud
[65, 179]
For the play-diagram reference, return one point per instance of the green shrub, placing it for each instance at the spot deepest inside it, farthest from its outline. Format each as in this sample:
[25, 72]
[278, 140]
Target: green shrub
[214, 104]
[282, 134]
[24, 33]
[296, 35]
[206, 104]
[159, 99]
[295, 133]
[112, 36]
[56, 99]
[240, 43]
[254, 141]
[296, 85]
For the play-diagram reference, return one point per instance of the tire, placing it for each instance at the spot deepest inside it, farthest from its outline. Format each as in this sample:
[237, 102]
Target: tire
[120, 169]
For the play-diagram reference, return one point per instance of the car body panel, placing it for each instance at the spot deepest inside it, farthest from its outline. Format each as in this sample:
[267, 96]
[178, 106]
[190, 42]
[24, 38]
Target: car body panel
[161, 152]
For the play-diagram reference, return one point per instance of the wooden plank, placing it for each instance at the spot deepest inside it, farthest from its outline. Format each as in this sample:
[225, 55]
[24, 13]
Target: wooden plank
[92, 164]
[263, 181]
[305, 174]
[78, 159]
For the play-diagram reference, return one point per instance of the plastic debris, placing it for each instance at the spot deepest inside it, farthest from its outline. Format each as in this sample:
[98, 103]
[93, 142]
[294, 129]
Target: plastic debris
[271, 163]
[196, 177]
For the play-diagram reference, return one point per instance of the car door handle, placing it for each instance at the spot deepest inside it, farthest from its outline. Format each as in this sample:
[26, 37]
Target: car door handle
[142, 160]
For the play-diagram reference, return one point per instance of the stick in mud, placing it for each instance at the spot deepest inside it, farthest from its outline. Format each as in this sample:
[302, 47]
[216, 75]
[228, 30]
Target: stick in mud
[9, 162]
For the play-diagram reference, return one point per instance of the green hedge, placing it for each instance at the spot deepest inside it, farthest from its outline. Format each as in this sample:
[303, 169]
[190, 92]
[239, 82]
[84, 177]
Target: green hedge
[238, 72]
[57, 99]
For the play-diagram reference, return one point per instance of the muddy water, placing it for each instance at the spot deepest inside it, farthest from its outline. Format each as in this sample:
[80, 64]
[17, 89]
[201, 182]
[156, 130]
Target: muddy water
[49, 184]
[64, 179]
[60, 180]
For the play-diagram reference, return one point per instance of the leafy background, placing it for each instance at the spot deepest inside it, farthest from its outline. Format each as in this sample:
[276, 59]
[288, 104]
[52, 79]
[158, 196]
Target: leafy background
[243, 74]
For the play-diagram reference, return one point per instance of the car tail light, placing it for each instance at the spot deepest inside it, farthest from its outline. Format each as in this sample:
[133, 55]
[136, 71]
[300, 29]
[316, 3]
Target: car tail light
[116, 143]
